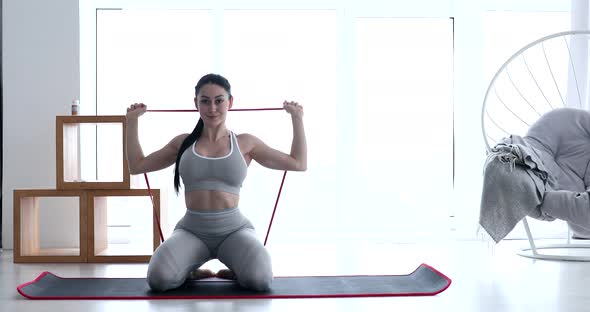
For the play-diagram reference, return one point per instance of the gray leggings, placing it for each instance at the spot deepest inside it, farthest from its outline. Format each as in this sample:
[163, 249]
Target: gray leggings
[199, 237]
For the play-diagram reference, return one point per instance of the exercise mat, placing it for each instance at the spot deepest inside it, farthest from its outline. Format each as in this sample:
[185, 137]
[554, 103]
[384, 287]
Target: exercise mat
[424, 281]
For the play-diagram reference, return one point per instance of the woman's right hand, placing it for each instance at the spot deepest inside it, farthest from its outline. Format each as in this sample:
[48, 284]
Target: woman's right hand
[136, 110]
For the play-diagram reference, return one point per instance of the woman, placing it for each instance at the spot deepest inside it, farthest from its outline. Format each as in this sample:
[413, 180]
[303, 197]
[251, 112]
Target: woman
[213, 162]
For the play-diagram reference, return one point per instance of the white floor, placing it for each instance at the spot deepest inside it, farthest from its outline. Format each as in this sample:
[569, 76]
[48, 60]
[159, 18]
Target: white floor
[485, 278]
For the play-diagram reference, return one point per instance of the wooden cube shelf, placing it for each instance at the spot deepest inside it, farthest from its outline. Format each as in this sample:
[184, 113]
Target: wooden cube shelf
[92, 198]
[27, 228]
[99, 249]
[68, 149]
[93, 228]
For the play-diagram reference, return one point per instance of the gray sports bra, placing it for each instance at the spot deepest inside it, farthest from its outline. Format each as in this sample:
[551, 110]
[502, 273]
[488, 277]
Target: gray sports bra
[224, 173]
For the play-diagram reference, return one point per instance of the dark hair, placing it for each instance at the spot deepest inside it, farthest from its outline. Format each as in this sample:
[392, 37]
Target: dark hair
[191, 138]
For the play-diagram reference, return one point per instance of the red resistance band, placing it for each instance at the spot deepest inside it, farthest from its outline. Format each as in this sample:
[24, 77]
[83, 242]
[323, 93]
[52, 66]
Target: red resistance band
[196, 110]
[147, 182]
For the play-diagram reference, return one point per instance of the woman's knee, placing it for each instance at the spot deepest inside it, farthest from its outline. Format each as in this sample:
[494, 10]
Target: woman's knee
[259, 280]
[161, 279]
[174, 259]
[256, 271]
[163, 273]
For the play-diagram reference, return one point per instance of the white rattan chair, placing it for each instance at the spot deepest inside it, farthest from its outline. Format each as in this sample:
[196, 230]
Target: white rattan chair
[545, 74]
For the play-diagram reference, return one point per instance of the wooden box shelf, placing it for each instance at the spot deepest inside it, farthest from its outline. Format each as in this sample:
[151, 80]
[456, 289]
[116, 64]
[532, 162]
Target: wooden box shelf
[27, 227]
[94, 194]
[139, 249]
[93, 238]
[103, 131]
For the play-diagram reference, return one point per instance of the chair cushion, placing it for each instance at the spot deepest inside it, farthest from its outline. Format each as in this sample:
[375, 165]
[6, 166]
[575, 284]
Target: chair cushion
[562, 138]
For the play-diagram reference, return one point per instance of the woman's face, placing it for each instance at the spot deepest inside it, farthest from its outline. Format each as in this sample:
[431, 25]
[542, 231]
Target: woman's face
[213, 102]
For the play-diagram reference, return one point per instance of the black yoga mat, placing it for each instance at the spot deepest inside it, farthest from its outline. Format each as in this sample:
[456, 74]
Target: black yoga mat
[424, 281]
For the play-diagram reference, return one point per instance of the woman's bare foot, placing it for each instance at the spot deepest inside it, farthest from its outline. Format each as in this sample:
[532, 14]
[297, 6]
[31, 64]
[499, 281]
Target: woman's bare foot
[200, 274]
[225, 274]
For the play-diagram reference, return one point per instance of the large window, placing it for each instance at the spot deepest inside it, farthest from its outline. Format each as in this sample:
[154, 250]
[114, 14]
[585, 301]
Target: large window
[371, 149]
[404, 136]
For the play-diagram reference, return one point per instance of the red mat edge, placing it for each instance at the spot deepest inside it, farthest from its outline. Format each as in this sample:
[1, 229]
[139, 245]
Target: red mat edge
[19, 289]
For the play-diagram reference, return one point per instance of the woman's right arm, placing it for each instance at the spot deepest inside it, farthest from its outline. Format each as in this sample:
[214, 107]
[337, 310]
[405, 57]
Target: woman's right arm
[138, 163]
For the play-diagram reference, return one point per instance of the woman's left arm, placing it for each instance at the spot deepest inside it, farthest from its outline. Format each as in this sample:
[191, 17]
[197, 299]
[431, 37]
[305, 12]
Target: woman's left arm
[274, 159]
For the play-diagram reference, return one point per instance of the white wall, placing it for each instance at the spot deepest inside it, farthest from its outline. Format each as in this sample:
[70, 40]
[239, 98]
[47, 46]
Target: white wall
[41, 77]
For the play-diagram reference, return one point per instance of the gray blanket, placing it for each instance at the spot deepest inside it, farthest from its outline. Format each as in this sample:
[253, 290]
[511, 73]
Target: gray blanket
[515, 180]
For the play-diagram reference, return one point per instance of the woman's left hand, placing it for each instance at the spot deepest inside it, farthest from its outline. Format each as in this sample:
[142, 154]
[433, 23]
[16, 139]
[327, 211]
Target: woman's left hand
[293, 108]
